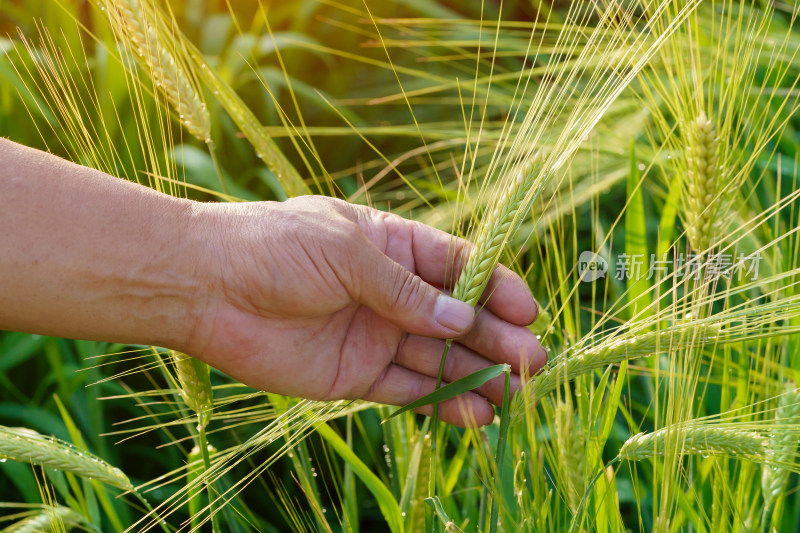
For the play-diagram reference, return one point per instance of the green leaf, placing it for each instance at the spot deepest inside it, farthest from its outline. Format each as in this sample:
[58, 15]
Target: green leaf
[417, 457]
[612, 404]
[438, 508]
[666, 227]
[501, 452]
[457, 463]
[18, 348]
[639, 294]
[451, 390]
[386, 501]
[198, 168]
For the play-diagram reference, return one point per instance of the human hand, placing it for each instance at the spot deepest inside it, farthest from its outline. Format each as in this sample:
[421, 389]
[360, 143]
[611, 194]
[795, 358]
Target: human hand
[318, 298]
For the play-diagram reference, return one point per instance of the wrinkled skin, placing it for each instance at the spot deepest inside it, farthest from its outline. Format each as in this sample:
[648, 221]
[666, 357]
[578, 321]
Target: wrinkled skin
[321, 299]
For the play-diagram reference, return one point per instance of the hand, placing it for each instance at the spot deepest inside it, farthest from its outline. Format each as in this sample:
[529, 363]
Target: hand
[313, 297]
[318, 298]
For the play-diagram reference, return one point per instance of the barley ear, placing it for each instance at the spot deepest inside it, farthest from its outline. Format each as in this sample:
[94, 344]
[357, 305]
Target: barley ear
[28, 446]
[694, 440]
[56, 518]
[194, 377]
[167, 72]
[568, 365]
[704, 183]
[495, 230]
[782, 447]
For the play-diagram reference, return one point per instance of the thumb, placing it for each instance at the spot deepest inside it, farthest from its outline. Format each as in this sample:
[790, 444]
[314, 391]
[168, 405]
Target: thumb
[406, 300]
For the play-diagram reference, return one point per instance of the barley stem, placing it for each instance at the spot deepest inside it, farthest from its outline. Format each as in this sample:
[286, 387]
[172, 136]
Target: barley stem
[152, 512]
[434, 430]
[500, 453]
[201, 434]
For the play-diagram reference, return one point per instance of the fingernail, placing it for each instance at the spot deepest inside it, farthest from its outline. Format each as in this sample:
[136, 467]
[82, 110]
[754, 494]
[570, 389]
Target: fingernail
[453, 314]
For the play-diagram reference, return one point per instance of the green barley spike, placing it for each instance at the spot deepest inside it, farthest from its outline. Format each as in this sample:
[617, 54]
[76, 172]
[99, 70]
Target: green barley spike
[704, 184]
[194, 377]
[493, 234]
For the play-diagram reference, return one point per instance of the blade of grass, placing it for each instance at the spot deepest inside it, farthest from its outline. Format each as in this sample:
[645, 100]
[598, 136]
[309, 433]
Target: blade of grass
[456, 388]
[501, 448]
[385, 498]
[639, 292]
[438, 508]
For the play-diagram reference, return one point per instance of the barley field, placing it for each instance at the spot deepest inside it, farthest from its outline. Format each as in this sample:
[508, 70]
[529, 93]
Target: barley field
[635, 161]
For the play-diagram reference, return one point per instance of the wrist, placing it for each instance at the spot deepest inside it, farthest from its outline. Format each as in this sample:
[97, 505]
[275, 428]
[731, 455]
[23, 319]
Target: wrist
[220, 242]
[193, 266]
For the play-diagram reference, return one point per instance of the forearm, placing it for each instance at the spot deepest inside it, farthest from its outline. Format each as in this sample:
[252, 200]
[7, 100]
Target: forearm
[85, 255]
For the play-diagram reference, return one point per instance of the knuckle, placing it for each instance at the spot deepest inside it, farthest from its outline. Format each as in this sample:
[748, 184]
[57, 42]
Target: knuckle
[403, 347]
[350, 233]
[375, 386]
[409, 290]
[417, 388]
